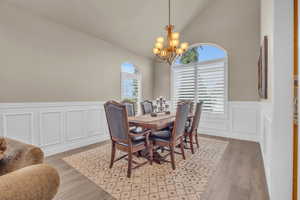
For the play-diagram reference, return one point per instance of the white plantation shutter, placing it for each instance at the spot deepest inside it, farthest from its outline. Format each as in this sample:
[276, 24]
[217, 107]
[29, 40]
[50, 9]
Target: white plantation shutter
[184, 84]
[201, 82]
[131, 88]
[211, 86]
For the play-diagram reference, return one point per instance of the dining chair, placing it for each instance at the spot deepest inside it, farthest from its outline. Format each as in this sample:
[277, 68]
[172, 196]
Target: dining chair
[188, 123]
[191, 131]
[191, 104]
[147, 107]
[121, 137]
[171, 139]
[130, 107]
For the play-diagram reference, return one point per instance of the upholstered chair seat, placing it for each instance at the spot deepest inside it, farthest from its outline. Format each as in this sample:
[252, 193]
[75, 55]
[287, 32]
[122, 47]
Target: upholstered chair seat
[134, 129]
[161, 135]
[138, 138]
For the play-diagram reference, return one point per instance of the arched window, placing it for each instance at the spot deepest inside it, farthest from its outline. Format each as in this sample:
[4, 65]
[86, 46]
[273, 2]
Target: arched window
[130, 83]
[200, 74]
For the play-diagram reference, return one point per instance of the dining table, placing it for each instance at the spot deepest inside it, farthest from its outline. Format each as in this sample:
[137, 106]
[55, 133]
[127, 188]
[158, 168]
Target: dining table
[155, 122]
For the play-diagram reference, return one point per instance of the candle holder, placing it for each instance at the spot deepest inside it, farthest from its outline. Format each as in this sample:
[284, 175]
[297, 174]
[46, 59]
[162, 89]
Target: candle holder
[161, 105]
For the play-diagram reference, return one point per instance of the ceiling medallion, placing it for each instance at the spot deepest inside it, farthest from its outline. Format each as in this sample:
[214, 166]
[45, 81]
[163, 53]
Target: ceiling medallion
[167, 50]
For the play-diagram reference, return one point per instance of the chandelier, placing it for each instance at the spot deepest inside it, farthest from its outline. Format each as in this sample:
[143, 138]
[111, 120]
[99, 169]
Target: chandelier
[167, 50]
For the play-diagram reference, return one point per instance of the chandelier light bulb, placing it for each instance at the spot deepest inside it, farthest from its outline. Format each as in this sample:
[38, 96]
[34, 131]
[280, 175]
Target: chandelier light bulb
[179, 51]
[160, 40]
[174, 43]
[158, 45]
[155, 51]
[175, 36]
[184, 46]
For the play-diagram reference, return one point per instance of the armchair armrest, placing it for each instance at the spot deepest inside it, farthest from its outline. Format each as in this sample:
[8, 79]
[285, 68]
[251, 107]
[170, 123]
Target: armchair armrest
[36, 182]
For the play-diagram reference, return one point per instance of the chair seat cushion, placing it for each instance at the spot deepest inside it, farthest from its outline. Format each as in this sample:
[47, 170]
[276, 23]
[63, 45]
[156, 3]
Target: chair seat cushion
[138, 138]
[165, 135]
[135, 129]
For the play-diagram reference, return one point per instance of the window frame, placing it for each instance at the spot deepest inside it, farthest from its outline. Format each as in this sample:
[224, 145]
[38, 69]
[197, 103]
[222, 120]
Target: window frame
[206, 115]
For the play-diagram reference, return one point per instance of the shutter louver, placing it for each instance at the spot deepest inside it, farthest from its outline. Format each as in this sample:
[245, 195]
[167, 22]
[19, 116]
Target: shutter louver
[210, 86]
[184, 84]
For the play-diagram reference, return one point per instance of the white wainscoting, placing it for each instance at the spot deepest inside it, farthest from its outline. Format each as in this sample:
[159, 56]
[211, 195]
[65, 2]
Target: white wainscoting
[241, 122]
[55, 127]
[266, 139]
[58, 127]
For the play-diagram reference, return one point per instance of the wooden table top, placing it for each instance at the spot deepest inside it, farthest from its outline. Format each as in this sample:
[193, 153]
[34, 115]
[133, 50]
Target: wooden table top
[155, 123]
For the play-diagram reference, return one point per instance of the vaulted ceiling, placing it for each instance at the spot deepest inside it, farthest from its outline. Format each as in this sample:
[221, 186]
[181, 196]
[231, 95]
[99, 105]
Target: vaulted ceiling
[131, 24]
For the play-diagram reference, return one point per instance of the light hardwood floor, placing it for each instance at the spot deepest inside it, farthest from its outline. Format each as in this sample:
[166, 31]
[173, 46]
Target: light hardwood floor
[240, 175]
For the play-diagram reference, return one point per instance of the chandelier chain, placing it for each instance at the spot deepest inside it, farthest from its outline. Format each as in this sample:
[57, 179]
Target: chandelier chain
[169, 12]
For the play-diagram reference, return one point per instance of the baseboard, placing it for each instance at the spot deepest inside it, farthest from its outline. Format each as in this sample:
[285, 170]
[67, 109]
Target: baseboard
[230, 135]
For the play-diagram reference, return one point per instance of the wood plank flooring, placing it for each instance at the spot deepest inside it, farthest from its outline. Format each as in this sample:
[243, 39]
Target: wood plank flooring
[240, 175]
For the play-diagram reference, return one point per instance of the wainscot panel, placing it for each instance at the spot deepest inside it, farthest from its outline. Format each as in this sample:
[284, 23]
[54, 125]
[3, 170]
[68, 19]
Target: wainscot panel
[55, 127]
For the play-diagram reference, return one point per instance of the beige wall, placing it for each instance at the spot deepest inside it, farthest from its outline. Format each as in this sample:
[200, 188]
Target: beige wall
[234, 25]
[45, 61]
[267, 30]
[162, 80]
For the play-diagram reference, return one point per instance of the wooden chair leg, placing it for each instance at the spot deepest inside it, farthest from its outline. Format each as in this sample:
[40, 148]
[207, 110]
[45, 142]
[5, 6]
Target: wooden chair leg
[196, 138]
[129, 164]
[150, 150]
[113, 153]
[182, 148]
[172, 156]
[191, 143]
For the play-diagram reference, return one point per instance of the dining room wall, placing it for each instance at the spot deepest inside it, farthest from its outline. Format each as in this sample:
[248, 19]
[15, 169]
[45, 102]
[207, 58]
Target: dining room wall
[234, 25]
[42, 61]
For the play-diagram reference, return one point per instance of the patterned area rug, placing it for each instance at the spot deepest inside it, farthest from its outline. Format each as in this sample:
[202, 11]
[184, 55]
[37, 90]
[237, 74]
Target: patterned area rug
[188, 181]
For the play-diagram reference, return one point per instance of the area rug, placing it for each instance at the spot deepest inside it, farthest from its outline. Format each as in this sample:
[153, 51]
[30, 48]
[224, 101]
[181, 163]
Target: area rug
[188, 182]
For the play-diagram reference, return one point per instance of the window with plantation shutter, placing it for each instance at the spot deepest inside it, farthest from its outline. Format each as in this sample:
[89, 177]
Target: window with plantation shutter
[185, 83]
[211, 86]
[204, 80]
[131, 84]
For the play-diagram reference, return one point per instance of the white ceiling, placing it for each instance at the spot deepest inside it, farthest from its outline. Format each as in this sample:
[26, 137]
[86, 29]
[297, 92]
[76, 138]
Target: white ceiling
[131, 24]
